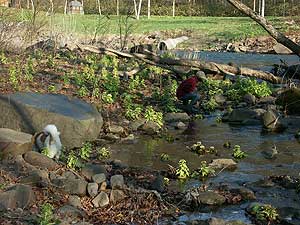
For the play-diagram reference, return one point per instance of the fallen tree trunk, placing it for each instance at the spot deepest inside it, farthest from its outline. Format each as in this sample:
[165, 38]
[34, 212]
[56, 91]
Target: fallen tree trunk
[172, 64]
[279, 37]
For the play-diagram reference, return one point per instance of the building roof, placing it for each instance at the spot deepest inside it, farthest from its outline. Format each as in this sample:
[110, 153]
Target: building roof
[75, 3]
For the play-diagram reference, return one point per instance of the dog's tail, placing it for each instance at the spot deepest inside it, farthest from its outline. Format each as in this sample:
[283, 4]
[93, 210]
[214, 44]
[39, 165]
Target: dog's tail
[52, 130]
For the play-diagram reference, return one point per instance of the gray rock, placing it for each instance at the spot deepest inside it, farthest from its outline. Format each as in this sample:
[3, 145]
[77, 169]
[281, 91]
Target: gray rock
[110, 137]
[246, 193]
[240, 115]
[116, 196]
[117, 182]
[250, 99]
[70, 211]
[135, 125]
[99, 178]
[75, 186]
[179, 125]
[77, 121]
[130, 139]
[69, 175]
[39, 160]
[13, 143]
[251, 122]
[101, 200]
[89, 170]
[223, 163]
[103, 186]
[220, 99]
[150, 128]
[74, 200]
[270, 100]
[211, 198]
[158, 184]
[39, 178]
[115, 129]
[270, 153]
[17, 196]
[118, 164]
[92, 189]
[176, 117]
[281, 49]
[272, 121]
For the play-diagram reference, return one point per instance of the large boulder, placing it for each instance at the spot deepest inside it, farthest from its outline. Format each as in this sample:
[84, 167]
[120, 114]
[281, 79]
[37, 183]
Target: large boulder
[77, 120]
[242, 115]
[290, 100]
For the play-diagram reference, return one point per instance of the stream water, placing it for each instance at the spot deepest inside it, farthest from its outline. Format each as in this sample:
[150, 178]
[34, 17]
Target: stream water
[147, 150]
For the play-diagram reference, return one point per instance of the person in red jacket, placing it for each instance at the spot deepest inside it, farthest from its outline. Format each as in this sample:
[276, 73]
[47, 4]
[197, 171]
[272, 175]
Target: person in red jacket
[187, 91]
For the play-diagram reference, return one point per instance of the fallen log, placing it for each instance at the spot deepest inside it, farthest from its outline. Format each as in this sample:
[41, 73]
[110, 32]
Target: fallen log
[172, 64]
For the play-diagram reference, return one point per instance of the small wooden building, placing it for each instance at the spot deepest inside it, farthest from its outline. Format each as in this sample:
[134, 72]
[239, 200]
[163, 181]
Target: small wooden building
[5, 3]
[75, 7]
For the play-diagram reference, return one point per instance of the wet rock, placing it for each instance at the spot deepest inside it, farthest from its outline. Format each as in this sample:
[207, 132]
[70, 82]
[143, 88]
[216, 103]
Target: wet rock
[271, 121]
[135, 125]
[39, 178]
[101, 200]
[116, 196]
[176, 117]
[269, 100]
[115, 129]
[75, 186]
[77, 120]
[229, 164]
[39, 160]
[158, 184]
[17, 196]
[70, 211]
[246, 193]
[291, 215]
[251, 122]
[150, 128]
[179, 125]
[215, 221]
[13, 143]
[99, 178]
[211, 198]
[69, 175]
[118, 164]
[270, 153]
[250, 99]
[130, 139]
[281, 49]
[111, 137]
[74, 200]
[92, 189]
[90, 170]
[103, 186]
[289, 99]
[240, 115]
[117, 182]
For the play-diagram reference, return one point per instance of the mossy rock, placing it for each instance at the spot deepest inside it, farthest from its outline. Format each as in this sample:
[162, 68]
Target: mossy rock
[290, 100]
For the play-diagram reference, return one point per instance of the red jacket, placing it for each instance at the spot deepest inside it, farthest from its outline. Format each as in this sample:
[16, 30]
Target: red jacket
[187, 86]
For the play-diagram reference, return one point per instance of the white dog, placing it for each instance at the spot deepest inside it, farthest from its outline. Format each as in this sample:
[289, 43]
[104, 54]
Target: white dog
[48, 139]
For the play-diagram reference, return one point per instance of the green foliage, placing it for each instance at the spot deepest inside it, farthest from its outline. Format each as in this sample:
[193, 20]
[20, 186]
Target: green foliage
[166, 181]
[45, 151]
[111, 81]
[227, 144]
[136, 83]
[210, 105]
[29, 70]
[219, 119]
[154, 116]
[198, 117]
[51, 88]
[14, 75]
[104, 153]
[238, 153]
[50, 61]
[183, 170]
[200, 149]
[164, 157]
[46, 216]
[85, 151]
[3, 58]
[73, 161]
[107, 98]
[265, 212]
[132, 111]
[203, 171]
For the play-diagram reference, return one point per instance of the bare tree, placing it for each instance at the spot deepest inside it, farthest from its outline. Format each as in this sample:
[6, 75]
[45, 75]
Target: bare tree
[118, 7]
[99, 7]
[149, 8]
[66, 5]
[174, 1]
[137, 8]
[282, 39]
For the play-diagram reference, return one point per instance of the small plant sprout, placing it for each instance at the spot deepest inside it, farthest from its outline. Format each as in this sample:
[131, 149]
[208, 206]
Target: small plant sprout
[198, 147]
[198, 117]
[219, 119]
[164, 157]
[183, 170]
[166, 181]
[46, 215]
[265, 212]
[107, 98]
[51, 88]
[86, 150]
[154, 116]
[73, 161]
[238, 153]
[103, 153]
[45, 151]
[205, 170]
[227, 144]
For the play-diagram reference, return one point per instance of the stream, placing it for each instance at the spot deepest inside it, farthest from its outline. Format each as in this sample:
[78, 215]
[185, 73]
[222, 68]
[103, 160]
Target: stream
[147, 150]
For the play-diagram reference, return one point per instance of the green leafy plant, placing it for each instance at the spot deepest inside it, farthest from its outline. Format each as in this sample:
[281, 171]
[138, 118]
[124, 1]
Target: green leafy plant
[154, 116]
[219, 119]
[73, 161]
[29, 70]
[85, 151]
[50, 61]
[227, 144]
[210, 105]
[14, 76]
[107, 98]
[3, 58]
[45, 151]
[46, 216]
[51, 88]
[164, 157]
[166, 181]
[136, 83]
[83, 91]
[200, 149]
[265, 212]
[238, 153]
[183, 170]
[203, 171]
[104, 153]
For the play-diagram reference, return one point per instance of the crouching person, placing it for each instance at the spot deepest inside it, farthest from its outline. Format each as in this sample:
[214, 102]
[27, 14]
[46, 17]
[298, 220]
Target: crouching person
[188, 94]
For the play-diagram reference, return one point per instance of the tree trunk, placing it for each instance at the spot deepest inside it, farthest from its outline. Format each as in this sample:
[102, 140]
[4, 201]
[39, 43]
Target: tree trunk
[99, 7]
[267, 26]
[254, 5]
[149, 8]
[32, 6]
[263, 8]
[51, 6]
[137, 9]
[174, 8]
[118, 8]
[66, 6]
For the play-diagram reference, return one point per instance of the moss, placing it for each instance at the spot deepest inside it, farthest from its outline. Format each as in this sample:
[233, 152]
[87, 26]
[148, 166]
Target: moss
[290, 100]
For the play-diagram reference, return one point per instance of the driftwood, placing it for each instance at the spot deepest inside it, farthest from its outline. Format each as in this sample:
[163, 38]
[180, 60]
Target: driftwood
[173, 64]
[279, 37]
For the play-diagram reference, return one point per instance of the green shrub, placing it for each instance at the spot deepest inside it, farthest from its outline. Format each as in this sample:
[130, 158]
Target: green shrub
[183, 170]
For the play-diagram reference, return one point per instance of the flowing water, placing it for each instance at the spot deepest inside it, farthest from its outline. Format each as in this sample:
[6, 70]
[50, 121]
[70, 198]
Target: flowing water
[147, 150]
